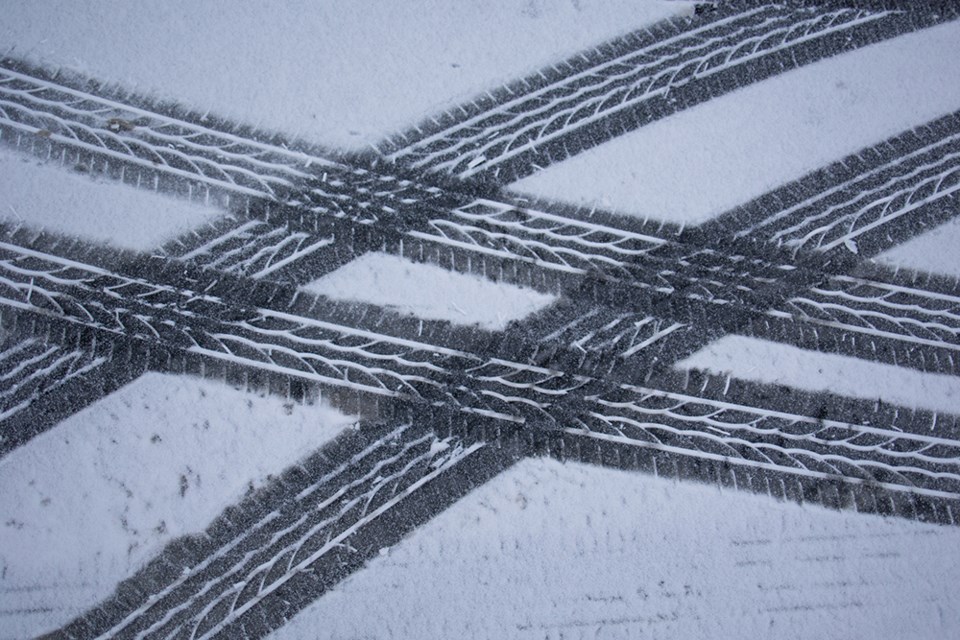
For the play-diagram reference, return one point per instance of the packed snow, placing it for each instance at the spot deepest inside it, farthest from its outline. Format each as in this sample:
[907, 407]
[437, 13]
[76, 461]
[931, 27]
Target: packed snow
[47, 196]
[343, 74]
[91, 501]
[429, 292]
[772, 362]
[551, 550]
[694, 165]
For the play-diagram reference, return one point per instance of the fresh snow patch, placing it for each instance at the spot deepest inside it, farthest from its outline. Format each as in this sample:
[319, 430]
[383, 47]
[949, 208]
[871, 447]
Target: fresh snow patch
[551, 550]
[68, 202]
[772, 362]
[934, 251]
[701, 162]
[344, 73]
[429, 292]
[90, 502]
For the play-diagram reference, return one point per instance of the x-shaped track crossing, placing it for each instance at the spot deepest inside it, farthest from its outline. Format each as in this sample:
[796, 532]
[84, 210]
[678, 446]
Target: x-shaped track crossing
[446, 407]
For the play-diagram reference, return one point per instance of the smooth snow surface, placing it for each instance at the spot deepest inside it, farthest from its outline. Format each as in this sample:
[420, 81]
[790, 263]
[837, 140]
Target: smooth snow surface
[429, 292]
[551, 550]
[69, 202]
[86, 504]
[344, 73]
[936, 251]
[706, 160]
[772, 362]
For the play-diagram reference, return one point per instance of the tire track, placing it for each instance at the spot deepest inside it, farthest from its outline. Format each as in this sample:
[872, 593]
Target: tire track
[198, 322]
[526, 245]
[285, 545]
[864, 204]
[635, 80]
[42, 382]
[573, 392]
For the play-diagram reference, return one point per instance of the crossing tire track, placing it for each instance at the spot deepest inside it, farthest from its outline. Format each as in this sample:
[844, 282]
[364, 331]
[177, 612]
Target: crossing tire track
[243, 574]
[532, 247]
[198, 322]
[588, 379]
[539, 397]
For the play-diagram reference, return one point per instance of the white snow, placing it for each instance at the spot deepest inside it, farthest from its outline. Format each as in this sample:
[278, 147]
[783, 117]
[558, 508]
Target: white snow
[64, 201]
[706, 160]
[551, 550]
[771, 362]
[86, 504]
[934, 251]
[343, 73]
[429, 292]
[545, 550]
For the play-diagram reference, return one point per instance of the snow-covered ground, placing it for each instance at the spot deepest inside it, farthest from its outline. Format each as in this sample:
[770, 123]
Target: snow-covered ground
[86, 504]
[934, 251]
[772, 362]
[341, 74]
[706, 160]
[429, 292]
[545, 550]
[47, 196]
[652, 558]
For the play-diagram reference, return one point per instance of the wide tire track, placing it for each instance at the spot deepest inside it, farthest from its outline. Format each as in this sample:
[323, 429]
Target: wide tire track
[199, 323]
[652, 74]
[282, 547]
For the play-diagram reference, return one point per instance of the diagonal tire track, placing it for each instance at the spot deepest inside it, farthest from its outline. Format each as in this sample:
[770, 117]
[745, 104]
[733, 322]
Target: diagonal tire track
[635, 80]
[262, 337]
[534, 247]
[881, 470]
[875, 198]
[288, 543]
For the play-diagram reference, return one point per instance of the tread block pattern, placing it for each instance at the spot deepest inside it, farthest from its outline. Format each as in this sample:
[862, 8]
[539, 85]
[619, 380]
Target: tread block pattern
[867, 202]
[286, 544]
[515, 244]
[145, 311]
[540, 398]
[256, 249]
[30, 372]
[789, 443]
[588, 379]
[598, 95]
